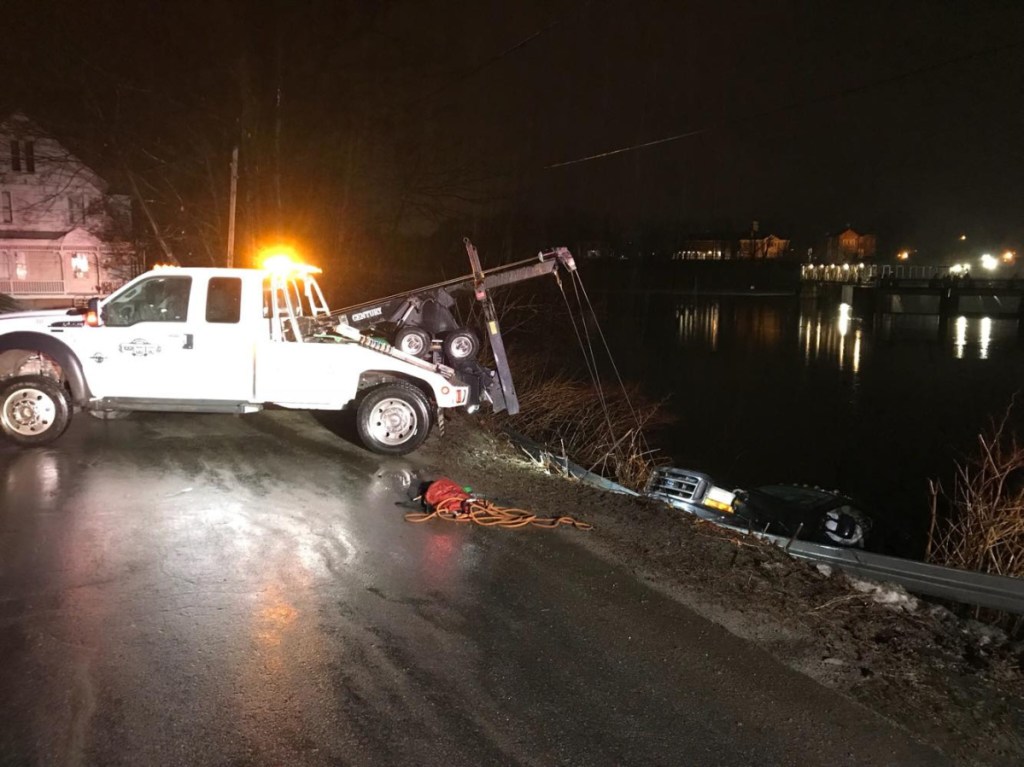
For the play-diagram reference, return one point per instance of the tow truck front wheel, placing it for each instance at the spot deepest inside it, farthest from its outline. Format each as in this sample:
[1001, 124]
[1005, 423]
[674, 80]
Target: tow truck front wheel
[34, 410]
[393, 418]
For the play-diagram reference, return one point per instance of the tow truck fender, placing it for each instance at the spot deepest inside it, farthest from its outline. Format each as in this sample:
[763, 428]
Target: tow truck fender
[436, 388]
[60, 352]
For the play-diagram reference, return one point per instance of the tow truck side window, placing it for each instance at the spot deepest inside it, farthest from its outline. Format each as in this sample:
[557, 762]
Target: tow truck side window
[157, 299]
[224, 300]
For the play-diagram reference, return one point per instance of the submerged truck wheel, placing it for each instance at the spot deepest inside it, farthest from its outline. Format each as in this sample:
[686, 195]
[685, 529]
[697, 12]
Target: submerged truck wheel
[393, 418]
[34, 410]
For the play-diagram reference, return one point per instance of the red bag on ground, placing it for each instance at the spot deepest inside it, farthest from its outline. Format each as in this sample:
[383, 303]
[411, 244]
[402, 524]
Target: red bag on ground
[444, 492]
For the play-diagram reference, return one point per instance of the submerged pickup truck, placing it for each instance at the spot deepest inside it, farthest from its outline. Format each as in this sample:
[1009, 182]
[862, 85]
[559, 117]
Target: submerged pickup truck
[218, 340]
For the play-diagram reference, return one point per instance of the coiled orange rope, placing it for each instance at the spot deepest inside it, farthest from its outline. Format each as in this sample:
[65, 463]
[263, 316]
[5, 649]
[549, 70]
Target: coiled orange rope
[486, 514]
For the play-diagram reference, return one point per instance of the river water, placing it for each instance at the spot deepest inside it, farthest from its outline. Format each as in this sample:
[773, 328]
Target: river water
[767, 389]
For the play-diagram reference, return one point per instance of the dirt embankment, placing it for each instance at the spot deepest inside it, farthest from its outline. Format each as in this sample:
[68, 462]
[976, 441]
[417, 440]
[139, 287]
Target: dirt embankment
[956, 685]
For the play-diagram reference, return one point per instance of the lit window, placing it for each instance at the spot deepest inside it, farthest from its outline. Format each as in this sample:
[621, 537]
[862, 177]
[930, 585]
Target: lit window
[80, 265]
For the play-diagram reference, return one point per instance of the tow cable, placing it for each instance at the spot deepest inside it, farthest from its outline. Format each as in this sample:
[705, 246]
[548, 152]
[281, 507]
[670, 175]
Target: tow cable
[449, 501]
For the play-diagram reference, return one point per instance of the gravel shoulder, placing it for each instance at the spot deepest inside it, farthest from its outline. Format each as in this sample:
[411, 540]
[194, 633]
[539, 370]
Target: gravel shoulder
[954, 684]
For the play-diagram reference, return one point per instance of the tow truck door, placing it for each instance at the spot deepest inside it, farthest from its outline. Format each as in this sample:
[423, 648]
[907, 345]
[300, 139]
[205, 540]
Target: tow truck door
[156, 343]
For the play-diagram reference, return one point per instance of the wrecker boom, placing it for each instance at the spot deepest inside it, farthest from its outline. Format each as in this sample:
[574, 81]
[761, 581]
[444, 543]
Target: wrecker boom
[393, 307]
[415, 320]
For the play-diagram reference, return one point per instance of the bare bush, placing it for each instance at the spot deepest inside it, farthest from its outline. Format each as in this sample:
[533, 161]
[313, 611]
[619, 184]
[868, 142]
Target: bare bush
[982, 527]
[601, 428]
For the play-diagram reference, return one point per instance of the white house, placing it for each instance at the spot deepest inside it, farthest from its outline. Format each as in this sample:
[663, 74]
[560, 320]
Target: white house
[63, 237]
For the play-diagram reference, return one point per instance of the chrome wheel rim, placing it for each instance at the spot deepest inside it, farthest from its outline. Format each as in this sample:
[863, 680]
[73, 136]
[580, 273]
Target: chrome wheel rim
[461, 347]
[393, 421]
[413, 344]
[28, 411]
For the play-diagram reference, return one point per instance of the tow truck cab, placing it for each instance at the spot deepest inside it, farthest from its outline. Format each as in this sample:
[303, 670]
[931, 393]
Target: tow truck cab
[216, 340]
[235, 337]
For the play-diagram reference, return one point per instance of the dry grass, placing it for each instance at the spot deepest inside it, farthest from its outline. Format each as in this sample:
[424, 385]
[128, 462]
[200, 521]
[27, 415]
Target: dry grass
[979, 524]
[601, 429]
[983, 528]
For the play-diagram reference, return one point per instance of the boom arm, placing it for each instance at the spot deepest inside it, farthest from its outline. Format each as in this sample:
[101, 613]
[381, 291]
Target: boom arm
[396, 307]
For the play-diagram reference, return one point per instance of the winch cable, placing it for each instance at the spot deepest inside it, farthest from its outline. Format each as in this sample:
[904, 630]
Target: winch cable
[587, 348]
[590, 358]
[578, 281]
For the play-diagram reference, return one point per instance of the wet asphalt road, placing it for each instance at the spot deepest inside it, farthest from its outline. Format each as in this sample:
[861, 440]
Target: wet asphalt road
[221, 590]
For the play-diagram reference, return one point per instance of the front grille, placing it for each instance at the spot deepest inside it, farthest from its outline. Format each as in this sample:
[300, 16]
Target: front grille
[678, 485]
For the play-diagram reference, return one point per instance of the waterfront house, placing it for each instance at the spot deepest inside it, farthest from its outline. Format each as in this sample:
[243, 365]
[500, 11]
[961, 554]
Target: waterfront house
[63, 235]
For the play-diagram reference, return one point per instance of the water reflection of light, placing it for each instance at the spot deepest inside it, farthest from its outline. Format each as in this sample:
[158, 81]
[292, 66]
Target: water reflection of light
[699, 322]
[985, 336]
[844, 319]
[961, 337]
[836, 338]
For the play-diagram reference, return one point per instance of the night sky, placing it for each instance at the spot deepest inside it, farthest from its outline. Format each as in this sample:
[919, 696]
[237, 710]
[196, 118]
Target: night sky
[364, 123]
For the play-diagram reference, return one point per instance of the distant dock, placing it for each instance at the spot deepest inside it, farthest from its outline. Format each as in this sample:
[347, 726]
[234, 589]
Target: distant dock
[879, 291]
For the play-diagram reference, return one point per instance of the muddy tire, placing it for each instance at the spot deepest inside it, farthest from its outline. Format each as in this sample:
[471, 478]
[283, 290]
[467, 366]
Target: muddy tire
[34, 410]
[393, 418]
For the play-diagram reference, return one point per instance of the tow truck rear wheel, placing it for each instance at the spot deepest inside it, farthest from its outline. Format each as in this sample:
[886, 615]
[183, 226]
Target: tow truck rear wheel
[34, 410]
[393, 418]
[413, 340]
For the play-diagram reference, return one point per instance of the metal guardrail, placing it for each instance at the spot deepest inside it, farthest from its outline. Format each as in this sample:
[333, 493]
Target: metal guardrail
[996, 591]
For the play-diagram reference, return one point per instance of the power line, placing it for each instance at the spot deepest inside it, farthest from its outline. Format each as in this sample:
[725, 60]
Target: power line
[835, 96]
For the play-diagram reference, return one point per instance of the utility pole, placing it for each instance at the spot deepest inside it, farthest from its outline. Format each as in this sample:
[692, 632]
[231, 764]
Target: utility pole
[232, 206]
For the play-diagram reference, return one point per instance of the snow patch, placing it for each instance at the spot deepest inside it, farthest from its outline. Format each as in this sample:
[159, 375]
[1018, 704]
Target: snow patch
[886, 594]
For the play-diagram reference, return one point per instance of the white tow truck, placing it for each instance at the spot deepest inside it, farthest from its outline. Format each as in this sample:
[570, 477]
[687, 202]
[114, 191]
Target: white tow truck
[218, 340]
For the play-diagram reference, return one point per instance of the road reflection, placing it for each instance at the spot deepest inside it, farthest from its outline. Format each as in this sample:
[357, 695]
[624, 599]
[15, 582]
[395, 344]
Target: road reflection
[32, 477]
